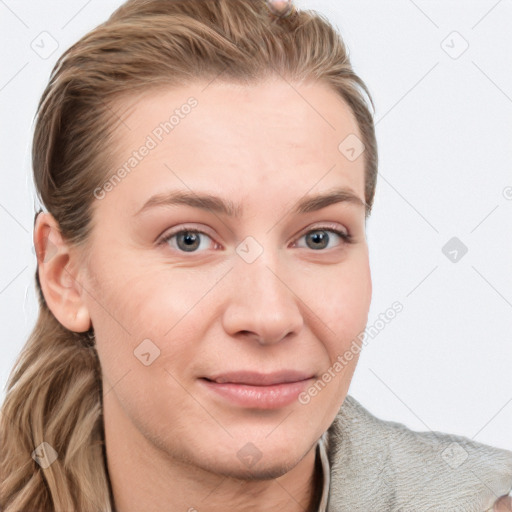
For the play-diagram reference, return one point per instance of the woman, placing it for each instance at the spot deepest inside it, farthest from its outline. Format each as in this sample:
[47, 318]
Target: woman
[207, 170]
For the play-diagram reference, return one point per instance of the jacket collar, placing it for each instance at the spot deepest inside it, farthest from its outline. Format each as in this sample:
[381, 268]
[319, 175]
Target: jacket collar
[374, 464]
[326, 472]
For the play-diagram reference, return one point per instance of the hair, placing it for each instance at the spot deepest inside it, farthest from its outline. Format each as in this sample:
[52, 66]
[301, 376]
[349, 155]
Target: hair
[54, 392]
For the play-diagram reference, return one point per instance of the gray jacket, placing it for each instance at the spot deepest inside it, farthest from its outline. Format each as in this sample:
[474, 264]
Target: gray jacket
[382, 466]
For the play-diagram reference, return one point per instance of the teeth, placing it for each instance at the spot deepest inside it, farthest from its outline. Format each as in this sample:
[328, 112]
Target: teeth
[221, 381]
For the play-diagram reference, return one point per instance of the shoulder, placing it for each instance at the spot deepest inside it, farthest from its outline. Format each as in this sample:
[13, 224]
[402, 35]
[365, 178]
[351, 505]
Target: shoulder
[383, 465]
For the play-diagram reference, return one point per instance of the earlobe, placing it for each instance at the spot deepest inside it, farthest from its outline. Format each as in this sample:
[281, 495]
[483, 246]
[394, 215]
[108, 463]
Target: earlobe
[58, 268]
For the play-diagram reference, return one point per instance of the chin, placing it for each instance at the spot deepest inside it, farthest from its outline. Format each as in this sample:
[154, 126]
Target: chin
[259, 472]
[250, 463]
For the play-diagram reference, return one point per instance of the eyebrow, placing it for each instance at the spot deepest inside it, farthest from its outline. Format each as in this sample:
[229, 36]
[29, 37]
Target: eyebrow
[226, 207]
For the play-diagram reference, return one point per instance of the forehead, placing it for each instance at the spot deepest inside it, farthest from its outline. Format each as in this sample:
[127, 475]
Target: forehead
[273, 135]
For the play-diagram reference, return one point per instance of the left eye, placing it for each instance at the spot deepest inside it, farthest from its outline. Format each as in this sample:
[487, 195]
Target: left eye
[318, 239]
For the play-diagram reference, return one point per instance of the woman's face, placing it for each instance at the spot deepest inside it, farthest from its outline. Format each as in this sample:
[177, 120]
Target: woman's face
[222, 286]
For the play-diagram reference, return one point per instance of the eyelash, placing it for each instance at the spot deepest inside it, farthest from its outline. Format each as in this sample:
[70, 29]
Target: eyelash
[346, 237]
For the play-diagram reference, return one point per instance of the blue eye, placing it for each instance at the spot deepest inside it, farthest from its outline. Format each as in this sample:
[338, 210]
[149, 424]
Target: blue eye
[320, 238]
[187, 240]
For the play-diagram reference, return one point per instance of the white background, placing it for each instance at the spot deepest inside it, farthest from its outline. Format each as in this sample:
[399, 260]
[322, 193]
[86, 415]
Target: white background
[444, 128]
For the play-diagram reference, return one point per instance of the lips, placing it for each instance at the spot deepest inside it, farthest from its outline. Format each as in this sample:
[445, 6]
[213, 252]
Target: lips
[258, 390]
[261, 379]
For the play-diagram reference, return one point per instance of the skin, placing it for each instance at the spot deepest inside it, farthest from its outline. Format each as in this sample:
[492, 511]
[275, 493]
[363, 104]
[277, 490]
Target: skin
[171, 443]
[504, 504]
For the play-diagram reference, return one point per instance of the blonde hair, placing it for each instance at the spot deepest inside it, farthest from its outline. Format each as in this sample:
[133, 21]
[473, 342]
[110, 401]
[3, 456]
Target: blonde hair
[54, 392]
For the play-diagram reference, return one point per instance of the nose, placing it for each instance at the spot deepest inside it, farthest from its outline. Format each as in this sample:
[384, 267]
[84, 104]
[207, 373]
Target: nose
[262, 305]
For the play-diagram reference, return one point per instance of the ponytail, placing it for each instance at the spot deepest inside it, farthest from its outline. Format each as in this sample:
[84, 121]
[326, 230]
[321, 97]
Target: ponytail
[54, 396]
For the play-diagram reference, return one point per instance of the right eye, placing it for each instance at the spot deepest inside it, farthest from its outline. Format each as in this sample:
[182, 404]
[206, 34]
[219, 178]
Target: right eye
[188, 240]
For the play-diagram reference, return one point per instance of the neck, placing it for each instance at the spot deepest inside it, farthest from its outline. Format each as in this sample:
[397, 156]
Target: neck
[145, 477]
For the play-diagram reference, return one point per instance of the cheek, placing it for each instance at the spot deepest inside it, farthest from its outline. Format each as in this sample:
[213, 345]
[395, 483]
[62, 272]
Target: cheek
[144, 335]
[343, 306]
[341, 298]
[135, 303]
[162, 301]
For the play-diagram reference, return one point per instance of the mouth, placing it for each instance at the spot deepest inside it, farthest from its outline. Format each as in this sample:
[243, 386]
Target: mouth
[258, 390]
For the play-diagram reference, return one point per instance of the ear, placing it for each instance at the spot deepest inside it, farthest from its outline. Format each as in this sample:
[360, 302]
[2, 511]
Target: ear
[58, 268]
